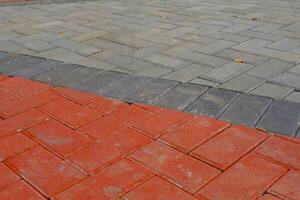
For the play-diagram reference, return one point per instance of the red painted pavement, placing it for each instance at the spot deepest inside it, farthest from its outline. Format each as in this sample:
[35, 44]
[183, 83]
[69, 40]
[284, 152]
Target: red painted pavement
[63, 144]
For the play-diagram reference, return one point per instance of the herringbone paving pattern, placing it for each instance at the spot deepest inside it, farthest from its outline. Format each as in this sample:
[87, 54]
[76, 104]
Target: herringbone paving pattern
[63, 144]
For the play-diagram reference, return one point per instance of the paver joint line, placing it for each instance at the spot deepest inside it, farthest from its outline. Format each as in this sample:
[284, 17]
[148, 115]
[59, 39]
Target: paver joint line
[86, 146]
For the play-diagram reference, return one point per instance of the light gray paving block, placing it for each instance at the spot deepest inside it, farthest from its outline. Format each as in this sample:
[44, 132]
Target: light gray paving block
[124, 87]
[238, 28]
[95, 83]
[262, 36]
[57, 73]
[149, 92]
[180, 96]
[295, 69]
[197, 38]
[167, 61]
[154, 72]
[242, 83]
[285, 44]
[293, 27]
[282, 117]
[205, 82]
[271, 90]
[252, 45]
[282, 55]
[294, 97]
[216, 46]
[247, 57]
[212, 103]
[75, 78]
[270, 68]
[226, 71]
[296, 50]
[246, 109]
[229, 37]
[37, 45]
[288, 79]
[149, 51]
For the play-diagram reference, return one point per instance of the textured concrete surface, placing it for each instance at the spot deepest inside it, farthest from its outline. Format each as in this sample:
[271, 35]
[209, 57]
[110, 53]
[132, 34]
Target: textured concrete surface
[241, 45]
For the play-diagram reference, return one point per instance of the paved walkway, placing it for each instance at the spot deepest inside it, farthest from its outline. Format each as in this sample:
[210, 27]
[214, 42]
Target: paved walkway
[64, 144]
[251, 47]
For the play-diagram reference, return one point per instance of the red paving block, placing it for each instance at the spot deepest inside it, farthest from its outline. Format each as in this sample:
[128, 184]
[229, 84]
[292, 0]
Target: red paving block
[20, 191]
[58, 137]
[7, 176]
[108, 183]
[21, 122]
[46, 172]
[18, 106]
[288, 186]
[192, 133]
[77, 96]
[14, 144]
[3, 77]
[107, 106]
[268, 197]
[22, 87]
[6, 96]
[160, 122]
[245, 180]
[70, 113]
[186, 172]
[281, 150]
[157, 189]
[114, 122]
[150, 108]
[108, 150]
[229, 146]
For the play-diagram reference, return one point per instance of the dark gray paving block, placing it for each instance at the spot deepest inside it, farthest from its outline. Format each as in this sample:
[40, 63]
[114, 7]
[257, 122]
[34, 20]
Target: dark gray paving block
[76, 77]
[100, 80]
[124, 87]
[212, 103]
[149, 92]
[57, 73]
[246, 109]
[282, 117]
[180, 96]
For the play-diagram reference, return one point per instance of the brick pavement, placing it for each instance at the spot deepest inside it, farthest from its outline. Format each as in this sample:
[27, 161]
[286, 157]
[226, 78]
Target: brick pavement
[63, 144]
[250, 47]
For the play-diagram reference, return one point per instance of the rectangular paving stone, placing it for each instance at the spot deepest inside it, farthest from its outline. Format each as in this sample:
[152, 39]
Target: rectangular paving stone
[295, 69]
[271, 90]
[149, 92]
[99, 81]
[216, 46]
[242, 83]
[282, 55]
[205, 82]
[76, 46]
[262, 36]
[154, 72]
[282, 117]
[212, 103]
[167, 61]
[246, 109]
[180, 96]
[288, 79]
[252, 45]
[75, 78]
[285, 44]
[270, 68]
[294, 97]
[124, 87]
[247, 57]
[37, 45]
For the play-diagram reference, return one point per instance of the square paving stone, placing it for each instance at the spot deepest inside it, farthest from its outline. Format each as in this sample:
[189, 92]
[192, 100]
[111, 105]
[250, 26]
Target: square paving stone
[271, 90]
[180, 96]
[122, 88]
[282, 117]
[246, 109]
[212, 103]
[152, 90]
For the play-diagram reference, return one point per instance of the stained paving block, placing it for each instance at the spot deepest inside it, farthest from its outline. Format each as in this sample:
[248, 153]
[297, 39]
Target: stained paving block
[212, 103]
[282, 117]
[180, 96]
[122, 88]
[99, 81]
[152, 90]
[246, 109]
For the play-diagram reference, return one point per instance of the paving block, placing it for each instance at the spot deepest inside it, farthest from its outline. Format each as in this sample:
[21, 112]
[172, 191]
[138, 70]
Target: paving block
[180, 96]
[212, 103]
[247, 57]
[154, 72]
[205, 82]
[37, 45]
[242, 83]
[288, 79]
[272, 90]
[167, 61]
[76, 46]
[294, 97]
[270, 68]
[8, 177]
[149, 92]
[217, 46]
[124, 87]
[282, 117]
[252, 45]
[295, 69]
[246, 109]
[285, 44]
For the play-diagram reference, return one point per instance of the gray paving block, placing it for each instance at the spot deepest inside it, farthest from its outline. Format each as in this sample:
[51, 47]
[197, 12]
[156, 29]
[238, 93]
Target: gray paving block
[270, 68]
[271, 90]
[295, 69]
[57, 73]
[149, 92]
[205, 82]
[285, 44]
[95, 83]
[288, 79]
[252, 45]
[294, 97]
[246, 109]
[282, 117]
[242, 83]
[180, 96]
[75, 78]
[212, 103]
[124, 87]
